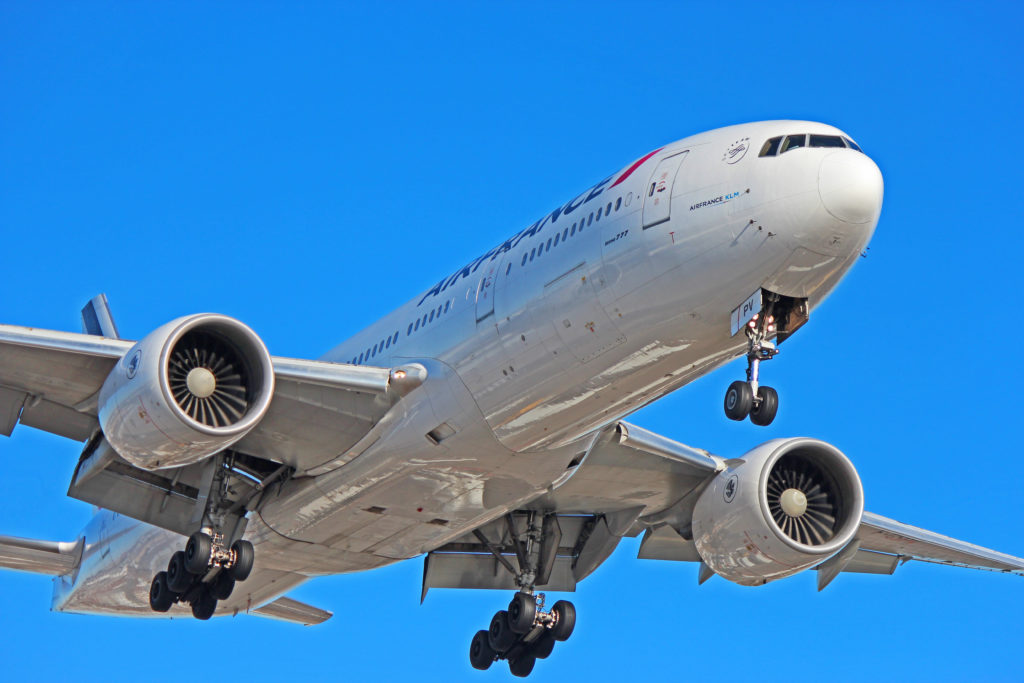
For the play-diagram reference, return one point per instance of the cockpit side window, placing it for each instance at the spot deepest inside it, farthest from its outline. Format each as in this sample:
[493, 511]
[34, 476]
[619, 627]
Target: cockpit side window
[771, 147]
[826, 141]
[792, 142]
[853, 145]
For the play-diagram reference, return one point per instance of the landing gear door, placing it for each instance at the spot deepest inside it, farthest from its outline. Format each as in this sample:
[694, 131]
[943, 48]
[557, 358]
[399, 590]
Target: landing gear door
[658, 195]
[485, 288]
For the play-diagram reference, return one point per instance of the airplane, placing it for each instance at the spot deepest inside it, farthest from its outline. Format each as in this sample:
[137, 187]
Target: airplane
[482, 424]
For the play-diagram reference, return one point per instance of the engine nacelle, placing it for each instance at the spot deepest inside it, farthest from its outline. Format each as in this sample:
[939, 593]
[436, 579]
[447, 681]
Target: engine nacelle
[785, 506]
[188, 390]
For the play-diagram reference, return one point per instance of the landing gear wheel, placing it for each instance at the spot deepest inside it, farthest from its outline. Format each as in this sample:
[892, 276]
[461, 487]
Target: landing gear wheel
[521, 613]
[244, 556]
[197, 553]
[161, 597]
[764, 412]
[481, 654]
[543, 646]
[500, 636]
[522, 665]
[565, 620]
[204, 606]
[738, 400]
[222, 586]
[178, 578]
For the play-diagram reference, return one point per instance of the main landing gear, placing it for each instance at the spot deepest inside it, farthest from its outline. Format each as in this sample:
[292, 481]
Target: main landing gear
[202, 574]
[749, 398]
[523, 633]
[210, 564]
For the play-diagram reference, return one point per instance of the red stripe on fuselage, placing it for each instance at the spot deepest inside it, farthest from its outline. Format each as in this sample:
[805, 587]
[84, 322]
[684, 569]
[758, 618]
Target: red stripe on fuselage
[629, 171]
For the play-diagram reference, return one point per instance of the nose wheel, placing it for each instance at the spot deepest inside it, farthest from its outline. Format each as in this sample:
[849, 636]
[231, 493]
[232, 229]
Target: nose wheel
[750, 398]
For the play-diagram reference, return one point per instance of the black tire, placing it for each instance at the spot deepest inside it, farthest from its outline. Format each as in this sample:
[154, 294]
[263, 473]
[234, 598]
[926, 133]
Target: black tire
[764, 412]
[738, 400]
[222, 586]
[178, 577]
[542, 647]
[565, 620]
[499, 635]
[244, 557]
[481, 654]
[521, 613]
[197, 553]
[161, 597]
[522, 665]
[204, 605]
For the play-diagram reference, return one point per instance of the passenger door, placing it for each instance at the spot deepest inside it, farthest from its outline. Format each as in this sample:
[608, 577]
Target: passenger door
[486, 288]
[658, 195]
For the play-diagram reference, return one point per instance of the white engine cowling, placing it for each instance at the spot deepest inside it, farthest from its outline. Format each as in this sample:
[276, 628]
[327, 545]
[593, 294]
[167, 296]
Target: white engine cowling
[188, 390]
[785, 506]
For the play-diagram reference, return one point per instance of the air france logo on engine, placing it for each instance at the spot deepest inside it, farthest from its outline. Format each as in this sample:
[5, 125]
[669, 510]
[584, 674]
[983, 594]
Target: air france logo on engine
[730, 488]
[720, 199]
[132, 366]
[736, 151]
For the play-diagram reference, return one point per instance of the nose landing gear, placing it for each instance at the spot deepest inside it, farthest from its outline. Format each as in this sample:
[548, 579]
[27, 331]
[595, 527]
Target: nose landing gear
[750, 398]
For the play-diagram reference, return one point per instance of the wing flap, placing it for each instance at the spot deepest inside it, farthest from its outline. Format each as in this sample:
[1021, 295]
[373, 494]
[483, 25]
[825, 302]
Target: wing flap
[884, 535]
[39, 557]
[288, 609]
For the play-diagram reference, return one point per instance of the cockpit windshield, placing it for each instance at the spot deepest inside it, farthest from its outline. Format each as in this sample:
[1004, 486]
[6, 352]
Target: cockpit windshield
[784, 143]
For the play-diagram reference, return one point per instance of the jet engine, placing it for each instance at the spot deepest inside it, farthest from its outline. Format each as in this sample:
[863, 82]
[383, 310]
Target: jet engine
[188, 390]
[785, 506]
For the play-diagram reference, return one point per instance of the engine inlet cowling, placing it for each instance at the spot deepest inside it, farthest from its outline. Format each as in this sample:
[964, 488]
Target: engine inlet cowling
[787, 505]
[188, 390]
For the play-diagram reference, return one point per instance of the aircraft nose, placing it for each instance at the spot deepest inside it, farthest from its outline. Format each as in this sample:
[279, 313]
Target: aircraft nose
[850, 186]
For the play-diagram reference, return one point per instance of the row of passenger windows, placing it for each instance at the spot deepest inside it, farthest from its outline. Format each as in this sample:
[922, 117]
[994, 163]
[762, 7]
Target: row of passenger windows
[375, 349]
[784, 143]
[570, 232]
[385, 344]
[535, 252]
[429, 317]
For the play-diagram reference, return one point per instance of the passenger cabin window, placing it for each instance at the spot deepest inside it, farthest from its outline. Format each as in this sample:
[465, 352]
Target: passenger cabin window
[826, 141]
[792, 142]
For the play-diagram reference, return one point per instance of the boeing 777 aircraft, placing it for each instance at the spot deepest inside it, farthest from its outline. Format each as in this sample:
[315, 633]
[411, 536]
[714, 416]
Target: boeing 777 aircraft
[481, 424]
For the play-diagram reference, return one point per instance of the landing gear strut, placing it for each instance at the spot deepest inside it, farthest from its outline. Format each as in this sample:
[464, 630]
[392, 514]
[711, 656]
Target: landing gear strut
[526, 631]
[206, 570]
[750, 398]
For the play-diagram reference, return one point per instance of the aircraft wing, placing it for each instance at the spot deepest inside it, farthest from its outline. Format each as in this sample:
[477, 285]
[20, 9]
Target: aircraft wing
[50, 380]
[633, 481]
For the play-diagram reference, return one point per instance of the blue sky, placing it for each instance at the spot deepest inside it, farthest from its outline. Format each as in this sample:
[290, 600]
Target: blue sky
[306, 168]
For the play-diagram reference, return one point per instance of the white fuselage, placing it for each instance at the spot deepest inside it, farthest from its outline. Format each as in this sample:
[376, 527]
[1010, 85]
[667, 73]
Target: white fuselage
[609, 302]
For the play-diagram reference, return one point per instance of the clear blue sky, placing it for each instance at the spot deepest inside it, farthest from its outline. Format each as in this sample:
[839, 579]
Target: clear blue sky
[306, 168]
